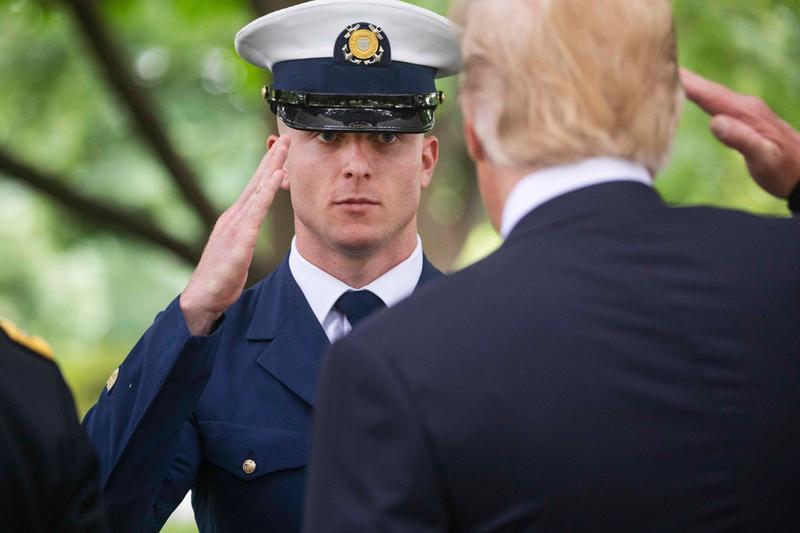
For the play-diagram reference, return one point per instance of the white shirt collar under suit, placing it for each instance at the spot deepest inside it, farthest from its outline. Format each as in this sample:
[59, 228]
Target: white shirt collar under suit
[543, 185]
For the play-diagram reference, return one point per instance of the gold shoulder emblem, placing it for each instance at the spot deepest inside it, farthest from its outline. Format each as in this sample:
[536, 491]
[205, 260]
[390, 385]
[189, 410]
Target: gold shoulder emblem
[35, 344]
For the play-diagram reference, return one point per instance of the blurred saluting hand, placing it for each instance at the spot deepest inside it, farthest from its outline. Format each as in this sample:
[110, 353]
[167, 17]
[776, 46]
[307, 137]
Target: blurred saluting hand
[769, 145]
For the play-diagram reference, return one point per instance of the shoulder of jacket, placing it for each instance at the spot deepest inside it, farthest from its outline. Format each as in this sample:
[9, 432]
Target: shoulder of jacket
[32, 343]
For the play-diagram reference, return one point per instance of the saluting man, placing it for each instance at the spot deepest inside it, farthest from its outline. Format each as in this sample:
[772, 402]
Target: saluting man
[49, 478]
[217, 396]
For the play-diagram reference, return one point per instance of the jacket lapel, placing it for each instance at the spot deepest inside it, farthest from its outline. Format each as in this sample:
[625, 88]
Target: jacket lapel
[623, 201]
[296, 341]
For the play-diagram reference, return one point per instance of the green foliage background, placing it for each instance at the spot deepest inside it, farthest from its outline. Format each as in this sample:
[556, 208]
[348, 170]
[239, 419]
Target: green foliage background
[92, 293]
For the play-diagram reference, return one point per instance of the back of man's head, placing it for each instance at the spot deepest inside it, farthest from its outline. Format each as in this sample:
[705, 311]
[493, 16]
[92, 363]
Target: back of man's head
[551, 82]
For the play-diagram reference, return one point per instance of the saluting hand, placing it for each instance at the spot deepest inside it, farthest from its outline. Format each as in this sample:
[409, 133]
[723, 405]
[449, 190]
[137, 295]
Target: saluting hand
[770, 146]
[220, 276]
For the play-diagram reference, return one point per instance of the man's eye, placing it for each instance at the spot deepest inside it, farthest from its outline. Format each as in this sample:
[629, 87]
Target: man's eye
[388, 138]
[327, 136]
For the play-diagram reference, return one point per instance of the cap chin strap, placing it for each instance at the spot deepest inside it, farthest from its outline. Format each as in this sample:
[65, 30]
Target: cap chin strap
[352, 101]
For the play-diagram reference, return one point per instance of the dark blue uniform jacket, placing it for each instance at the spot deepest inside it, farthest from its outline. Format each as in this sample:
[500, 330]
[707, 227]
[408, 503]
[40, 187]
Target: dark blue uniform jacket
[188, 412]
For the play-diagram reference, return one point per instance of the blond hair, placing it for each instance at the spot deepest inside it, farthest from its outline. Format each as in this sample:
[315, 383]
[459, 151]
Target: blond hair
[550, 82]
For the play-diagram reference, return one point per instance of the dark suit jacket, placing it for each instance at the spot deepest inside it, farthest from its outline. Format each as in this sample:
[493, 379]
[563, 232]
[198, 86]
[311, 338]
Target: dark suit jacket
[618, 365]
[49, 476]
[188, 412]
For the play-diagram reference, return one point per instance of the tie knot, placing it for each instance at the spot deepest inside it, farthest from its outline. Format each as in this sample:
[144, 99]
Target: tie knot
[356, 305]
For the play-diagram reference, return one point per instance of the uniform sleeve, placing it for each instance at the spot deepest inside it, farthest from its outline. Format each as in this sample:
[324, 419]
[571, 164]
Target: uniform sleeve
[371, 466]
[136, 427]
[179, 479]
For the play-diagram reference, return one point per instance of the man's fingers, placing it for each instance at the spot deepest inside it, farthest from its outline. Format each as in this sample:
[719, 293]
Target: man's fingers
[265, 168]
[279, 154]
[264, 194]
[270, 190]
[757, 149]
[712, 97]
[261, 202]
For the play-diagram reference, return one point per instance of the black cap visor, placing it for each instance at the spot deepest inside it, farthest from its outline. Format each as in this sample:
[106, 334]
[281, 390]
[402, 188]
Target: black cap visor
[404, 113]
[343, 119]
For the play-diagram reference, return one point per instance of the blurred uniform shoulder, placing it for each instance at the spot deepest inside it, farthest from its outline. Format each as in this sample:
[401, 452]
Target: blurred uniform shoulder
[31, 383]
[13, 339]
[49, 476]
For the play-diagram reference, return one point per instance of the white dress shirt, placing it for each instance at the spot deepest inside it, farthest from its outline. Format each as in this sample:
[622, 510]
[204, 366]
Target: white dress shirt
[322, 290]
[543, 185]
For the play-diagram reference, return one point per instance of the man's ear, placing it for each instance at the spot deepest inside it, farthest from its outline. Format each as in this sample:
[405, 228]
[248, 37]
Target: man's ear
[474, 144]
[271, 140]
[430, 156]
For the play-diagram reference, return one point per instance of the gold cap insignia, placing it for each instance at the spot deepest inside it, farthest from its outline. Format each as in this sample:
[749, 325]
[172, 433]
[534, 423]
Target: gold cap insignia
[34, 344]
[363, 45]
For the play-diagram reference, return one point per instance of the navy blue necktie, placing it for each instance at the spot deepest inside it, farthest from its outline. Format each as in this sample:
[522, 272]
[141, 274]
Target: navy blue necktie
[356, 305]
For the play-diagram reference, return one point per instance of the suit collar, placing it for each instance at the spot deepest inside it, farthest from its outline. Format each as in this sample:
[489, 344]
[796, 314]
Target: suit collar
[621, 200]
[278, 295]
[546, 184]
[429, 273]
[322, 290]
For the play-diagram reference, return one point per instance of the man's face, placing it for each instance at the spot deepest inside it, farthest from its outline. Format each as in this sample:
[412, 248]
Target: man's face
[357, 193]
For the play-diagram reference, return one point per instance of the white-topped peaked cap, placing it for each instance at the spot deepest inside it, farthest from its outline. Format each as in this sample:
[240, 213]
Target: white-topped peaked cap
[353, 65]
[310, 30]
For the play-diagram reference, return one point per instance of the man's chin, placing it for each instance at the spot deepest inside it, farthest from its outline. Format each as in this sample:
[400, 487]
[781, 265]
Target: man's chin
[358, 241]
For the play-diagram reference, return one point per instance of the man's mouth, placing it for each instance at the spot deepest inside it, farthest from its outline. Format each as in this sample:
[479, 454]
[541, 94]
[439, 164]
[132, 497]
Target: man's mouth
[356, 201]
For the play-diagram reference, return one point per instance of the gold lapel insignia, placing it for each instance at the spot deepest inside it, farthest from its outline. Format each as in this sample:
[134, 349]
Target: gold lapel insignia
[112, 379]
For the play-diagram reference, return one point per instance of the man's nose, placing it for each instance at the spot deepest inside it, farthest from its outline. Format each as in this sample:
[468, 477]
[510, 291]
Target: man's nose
[356, 160]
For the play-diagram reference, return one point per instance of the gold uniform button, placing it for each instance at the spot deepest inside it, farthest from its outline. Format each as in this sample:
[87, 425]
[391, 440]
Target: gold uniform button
[249, 466]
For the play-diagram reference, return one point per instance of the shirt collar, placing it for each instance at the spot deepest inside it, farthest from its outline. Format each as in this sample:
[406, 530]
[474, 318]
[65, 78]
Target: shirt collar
[322, 290]
[543, 185]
